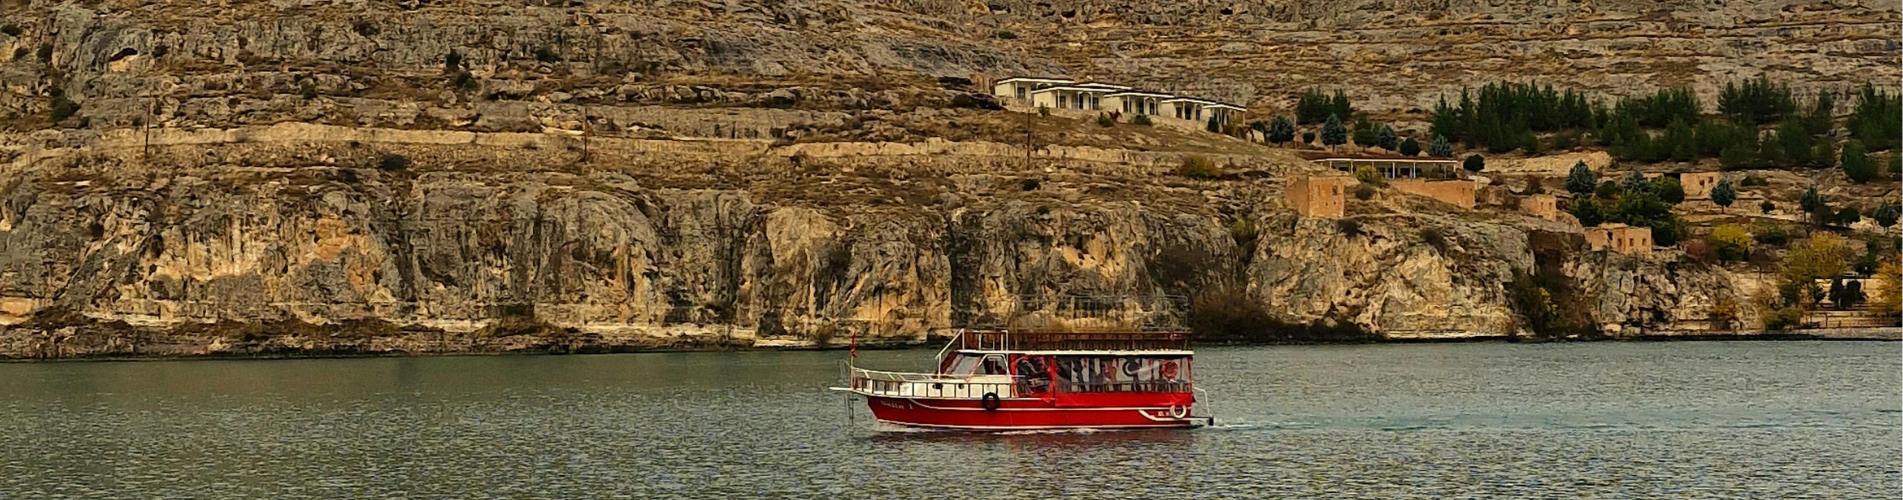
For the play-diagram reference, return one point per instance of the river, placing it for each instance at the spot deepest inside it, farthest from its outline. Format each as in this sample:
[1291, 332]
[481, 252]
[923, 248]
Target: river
[1676, 419]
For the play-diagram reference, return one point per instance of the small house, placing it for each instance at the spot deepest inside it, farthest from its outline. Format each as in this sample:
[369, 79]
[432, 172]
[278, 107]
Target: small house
[1017, 90]
[1322, 196]
[1620, 238]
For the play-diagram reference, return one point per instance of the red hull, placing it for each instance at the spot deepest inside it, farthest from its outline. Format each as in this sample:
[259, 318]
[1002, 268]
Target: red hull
[1154, 411]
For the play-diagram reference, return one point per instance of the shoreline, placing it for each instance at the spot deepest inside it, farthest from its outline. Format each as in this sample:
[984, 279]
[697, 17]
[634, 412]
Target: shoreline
[1893, 334]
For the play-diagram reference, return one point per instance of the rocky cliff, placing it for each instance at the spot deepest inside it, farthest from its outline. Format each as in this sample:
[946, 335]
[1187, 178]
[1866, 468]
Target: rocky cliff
[445, 176]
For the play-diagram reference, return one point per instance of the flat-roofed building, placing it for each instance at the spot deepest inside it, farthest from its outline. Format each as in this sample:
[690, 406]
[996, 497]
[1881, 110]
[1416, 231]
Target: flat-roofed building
[1018, 89]
[1136, 102]
[1324, 196]
[1620, 238]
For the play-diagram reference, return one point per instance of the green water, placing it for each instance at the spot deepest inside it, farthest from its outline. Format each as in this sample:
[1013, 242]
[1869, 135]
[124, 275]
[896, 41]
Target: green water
[1687, 419]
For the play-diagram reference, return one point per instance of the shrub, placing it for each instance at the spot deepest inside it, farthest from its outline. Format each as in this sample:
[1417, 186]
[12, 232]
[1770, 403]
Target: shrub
[62, 108]
[1433, 237]
[1886, 214]
[393, 162]
[1772, 235]
[545, 54]
[1474, 163]
[1007, 35]
[1198, 167]
[1782, 319]
[1308, 137]
[1348, 227]
[10, 30]
[1440, 148]
[1766, 206]
[1384, 138]
[1847, 216]
[307, 89]
[1369, 176]
[1587, 211]
[364, 27]
[1043, 110]
[1669, 190]
[1104, 120]
[1410, 147]
[452, 62]
[1732, 242]
[1364, 192]
[1753, 180]
[1856, 163]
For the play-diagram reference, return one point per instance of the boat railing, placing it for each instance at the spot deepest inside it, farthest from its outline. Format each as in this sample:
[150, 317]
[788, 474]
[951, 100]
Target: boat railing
[1009, 340]
[926, 385]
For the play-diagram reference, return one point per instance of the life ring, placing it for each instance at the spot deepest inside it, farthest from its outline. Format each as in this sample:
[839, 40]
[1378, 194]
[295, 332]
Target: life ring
[1130, 367]
[1110, 370]
[1169, 370]
[1179, 411]
[989, 401]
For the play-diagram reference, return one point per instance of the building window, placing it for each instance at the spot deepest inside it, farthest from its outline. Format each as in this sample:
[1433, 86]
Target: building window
[1022, 90]
[1126, 106]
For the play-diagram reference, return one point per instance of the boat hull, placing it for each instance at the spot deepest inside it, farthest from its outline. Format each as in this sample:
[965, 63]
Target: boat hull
[1026, 414]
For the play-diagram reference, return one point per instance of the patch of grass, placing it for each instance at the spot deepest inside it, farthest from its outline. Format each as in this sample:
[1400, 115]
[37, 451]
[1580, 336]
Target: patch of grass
[1141, 120]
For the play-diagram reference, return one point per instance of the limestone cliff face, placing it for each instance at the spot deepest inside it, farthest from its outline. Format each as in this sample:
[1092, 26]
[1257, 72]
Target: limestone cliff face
[333, 247]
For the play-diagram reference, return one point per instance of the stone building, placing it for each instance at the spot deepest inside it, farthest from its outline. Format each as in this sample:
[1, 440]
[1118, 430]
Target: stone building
[1324, 196]
[1544, 206]
[1066, 97]
[1620, 238]
[1698, 184]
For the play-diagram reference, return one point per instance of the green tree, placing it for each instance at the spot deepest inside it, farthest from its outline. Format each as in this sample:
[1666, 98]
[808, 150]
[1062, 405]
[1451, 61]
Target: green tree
[1440, 148]
[1723, 194]
[1385, 138]
[1848, 215]
[1796, 142]
[1634, 181]
[1410, 147]
[1680, 142]
[1756, 102]
[1669, 190]
[1474, 163]
[1333, 133]
[1340, 106]
[1312, 107]
[1766, 206]
[1587, 211]
[1738, 155]
[1878, 119]
[1364, 132]
[1810, 202]
[1856, 162]
[1281, 130]
[1581, 179]
[1886, 214]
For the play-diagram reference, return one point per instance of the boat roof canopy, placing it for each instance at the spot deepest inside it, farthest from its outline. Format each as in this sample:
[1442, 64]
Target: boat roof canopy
[1150, 353]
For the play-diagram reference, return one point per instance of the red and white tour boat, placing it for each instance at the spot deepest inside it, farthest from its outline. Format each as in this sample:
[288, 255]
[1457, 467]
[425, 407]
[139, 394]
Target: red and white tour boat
[991, 380]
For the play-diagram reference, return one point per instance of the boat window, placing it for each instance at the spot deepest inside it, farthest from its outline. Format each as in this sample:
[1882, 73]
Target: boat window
[973, 364]
[1123, 374]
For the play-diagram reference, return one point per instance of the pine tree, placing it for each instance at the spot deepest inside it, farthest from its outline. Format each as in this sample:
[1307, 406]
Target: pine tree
[1280, 130]
[1333, 133]
[1856, 162]
[1886, 214]
[1811, 201]
[1581, 180]
[1723, 194]
[1339, 105]
[1474, 163]
[1440, 148]
[1384, 137]
[1410, 147]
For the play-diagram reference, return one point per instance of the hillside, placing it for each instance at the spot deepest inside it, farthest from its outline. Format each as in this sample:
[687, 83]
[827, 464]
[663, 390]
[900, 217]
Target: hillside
[451, 176]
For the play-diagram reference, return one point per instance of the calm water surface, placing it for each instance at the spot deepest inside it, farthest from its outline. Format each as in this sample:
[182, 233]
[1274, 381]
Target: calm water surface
[1691, 419]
